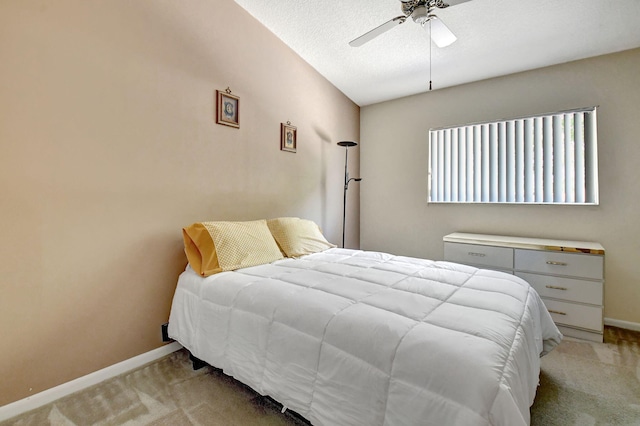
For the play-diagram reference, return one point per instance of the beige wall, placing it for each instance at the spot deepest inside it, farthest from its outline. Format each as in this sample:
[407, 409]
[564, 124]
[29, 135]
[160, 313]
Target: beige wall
[109, 146]
[395, 216]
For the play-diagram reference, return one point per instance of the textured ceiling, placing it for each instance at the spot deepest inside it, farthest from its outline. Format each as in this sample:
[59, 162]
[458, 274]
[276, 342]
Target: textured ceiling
[495, 37]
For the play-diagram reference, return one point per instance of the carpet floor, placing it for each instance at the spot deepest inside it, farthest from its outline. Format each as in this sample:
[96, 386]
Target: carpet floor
[588, 384]
[581, 384]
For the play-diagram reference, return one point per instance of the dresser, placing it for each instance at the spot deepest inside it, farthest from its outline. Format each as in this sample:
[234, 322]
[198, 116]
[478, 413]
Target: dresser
[568, 275]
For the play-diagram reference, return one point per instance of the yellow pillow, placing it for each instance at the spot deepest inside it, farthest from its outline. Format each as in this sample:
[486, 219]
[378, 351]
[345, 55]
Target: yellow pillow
[213, 247]
[297, 237]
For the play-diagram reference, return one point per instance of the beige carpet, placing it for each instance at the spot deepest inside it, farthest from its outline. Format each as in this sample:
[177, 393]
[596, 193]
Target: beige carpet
[585, 384]
[581, 384]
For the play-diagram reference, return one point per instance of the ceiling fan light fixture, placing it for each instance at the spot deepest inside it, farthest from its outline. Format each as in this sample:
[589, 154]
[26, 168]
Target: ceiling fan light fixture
[440, 33]
[420, 14]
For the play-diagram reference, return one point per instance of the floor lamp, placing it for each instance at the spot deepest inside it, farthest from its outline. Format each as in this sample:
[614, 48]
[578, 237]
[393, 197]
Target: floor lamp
[346, 145]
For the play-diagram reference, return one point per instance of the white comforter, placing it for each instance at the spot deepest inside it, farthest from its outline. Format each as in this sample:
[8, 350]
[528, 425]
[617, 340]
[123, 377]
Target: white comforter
[347, 337]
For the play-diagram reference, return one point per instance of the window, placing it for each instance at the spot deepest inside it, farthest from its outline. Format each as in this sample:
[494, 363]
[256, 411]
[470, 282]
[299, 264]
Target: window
[544, 159]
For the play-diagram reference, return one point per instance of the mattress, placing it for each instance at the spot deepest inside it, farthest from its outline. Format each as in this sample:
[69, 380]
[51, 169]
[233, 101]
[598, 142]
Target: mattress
[349, 337]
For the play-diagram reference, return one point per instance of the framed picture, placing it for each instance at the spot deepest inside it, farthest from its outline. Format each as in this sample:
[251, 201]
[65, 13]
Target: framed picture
[228, 109]
[288, 137]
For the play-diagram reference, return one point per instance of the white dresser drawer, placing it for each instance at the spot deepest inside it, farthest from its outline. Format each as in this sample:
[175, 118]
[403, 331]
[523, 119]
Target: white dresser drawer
[575, 315]
[475, 254]
[567, 264]
[570, 289]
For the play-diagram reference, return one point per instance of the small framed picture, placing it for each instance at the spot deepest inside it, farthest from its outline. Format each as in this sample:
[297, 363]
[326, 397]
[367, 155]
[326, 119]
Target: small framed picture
[288, 137]
[228, 109]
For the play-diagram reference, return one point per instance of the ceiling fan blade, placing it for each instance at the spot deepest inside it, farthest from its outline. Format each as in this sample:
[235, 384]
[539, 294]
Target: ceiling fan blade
[452, 3]
[368, 36]
[440, 33]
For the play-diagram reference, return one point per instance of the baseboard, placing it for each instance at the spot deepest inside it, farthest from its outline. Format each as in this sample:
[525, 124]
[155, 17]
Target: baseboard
[45, 397]
[622, 324]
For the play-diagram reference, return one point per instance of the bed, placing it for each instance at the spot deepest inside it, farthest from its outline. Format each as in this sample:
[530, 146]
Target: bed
[351, 337]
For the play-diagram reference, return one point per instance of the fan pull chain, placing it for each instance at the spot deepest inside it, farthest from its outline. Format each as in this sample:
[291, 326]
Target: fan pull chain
[430, 54]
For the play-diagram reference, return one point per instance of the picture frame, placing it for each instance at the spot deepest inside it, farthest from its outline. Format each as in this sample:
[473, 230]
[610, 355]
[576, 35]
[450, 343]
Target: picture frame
[288, 137]
[227, 109]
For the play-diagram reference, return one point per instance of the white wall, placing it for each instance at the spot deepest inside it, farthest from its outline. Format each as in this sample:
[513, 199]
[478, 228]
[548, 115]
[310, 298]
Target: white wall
[395, 216]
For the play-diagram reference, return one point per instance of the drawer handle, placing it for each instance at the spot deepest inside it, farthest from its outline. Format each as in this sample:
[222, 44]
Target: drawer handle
[552, 262]
[477, 254]
[554, 287]
[557, 312]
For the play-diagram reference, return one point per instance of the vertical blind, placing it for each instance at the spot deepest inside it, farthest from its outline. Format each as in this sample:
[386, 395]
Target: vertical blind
[543, 159]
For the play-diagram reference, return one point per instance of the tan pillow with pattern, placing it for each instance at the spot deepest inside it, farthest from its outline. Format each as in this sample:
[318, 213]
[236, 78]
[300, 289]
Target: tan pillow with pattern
[298, 237]
[213, 247]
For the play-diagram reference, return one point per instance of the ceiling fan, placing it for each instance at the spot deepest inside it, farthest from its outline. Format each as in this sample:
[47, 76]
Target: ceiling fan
[422, 13]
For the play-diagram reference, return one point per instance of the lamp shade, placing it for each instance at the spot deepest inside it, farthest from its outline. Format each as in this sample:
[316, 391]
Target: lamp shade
[347, 143]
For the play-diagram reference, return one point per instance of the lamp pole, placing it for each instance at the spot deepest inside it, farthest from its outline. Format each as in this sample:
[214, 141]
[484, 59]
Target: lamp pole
[346, 145]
